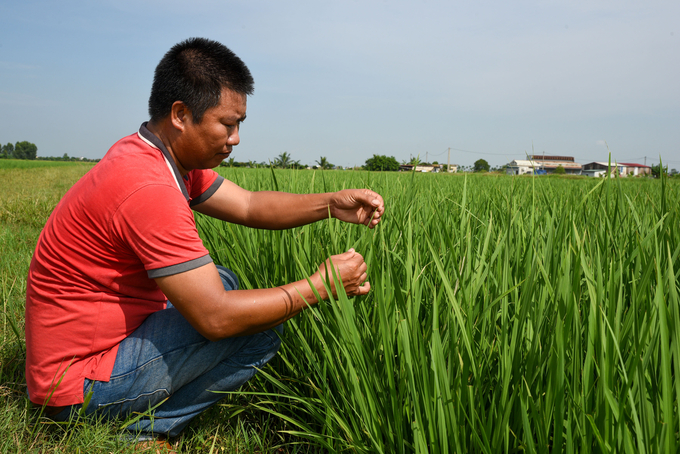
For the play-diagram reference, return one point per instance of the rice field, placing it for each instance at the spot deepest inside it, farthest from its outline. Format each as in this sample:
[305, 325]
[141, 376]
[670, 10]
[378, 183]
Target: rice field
[506, 314]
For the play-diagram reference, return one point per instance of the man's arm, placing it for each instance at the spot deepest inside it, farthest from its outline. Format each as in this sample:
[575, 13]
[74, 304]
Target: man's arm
[200, 297]
[280, 210]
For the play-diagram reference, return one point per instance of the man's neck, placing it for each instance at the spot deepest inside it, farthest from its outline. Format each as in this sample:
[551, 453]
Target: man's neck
[159, 129]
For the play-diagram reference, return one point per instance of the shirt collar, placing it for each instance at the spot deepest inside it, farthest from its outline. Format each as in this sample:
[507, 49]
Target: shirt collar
[149, 137]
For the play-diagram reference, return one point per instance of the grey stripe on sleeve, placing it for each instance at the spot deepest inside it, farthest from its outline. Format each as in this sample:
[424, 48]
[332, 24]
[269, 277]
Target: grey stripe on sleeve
[180, 267]
[208, 192]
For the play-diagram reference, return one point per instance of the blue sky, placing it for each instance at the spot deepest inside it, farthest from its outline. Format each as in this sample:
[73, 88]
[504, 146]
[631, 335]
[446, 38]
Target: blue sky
[346, 80]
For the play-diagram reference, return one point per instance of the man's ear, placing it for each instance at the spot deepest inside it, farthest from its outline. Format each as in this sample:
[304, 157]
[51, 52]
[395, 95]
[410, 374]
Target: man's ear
[179, 115]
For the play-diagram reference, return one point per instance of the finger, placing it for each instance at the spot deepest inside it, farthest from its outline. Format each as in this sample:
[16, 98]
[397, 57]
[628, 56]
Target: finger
[364, 289]
[363, 268]
[357, 257]
[345, 255]
[370, 199]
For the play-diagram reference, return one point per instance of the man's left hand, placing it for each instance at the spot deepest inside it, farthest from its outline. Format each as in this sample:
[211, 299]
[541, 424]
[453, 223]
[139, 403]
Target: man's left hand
[358, 206]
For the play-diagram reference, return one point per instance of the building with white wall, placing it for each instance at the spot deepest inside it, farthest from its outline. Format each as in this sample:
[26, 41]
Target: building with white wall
[542, 164]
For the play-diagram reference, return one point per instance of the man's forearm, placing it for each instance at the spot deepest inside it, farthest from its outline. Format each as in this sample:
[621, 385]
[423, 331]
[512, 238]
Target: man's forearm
[282, 210]
[245, 312]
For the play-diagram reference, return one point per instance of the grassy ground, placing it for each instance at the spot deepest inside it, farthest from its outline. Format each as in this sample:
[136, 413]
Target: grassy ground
[506, 315]
[30, 164]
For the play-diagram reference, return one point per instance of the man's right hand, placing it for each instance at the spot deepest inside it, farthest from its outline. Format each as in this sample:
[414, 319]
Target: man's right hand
[350, 268]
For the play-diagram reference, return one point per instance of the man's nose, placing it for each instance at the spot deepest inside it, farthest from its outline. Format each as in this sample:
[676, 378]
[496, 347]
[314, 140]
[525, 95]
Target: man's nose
[234, 138]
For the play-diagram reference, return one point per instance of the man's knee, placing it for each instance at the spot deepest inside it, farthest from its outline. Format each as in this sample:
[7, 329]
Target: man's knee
[229, 278]
[260, 349]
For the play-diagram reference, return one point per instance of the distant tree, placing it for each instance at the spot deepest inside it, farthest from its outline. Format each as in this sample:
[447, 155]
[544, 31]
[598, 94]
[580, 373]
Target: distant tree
[559, 170]
[382, 163]
[481, 166]
[657, 169]
[25, 150]
[284, 160]
[8, 150]
[324, 163]
[297, 165]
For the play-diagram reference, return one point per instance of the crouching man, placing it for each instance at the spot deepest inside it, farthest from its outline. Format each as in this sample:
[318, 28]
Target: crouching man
[124, 303]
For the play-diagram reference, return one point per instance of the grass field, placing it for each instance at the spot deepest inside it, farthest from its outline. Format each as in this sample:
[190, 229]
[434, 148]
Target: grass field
[32, 164]
[506, 314]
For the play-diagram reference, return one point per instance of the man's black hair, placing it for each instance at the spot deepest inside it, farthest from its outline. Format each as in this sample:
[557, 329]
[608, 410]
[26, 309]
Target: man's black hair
[195, 71]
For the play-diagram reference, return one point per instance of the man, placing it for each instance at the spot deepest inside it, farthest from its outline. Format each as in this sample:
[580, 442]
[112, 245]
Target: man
[124, 305]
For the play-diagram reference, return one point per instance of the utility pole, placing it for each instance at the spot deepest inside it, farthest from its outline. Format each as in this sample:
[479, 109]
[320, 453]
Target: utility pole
[426, 161]
[448, 161]
[645, 160]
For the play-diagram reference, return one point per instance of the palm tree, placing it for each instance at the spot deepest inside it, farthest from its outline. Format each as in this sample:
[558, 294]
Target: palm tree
[284, 160]
[324, 164]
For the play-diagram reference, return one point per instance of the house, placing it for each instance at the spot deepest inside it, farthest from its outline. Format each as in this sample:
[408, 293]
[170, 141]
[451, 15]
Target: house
[542, 164]
[599, 169]
[521, 167]
[629, 168]
[426, 168]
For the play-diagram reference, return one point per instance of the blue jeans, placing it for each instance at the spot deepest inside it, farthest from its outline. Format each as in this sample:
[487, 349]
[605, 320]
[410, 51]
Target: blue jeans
[166, 358]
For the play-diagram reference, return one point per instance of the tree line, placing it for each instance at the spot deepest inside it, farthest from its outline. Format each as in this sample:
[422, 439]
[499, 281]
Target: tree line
[284, 160]
[20, 150]
[28, 150]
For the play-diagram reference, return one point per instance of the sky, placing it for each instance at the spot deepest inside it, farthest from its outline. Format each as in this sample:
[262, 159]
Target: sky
[345, 80]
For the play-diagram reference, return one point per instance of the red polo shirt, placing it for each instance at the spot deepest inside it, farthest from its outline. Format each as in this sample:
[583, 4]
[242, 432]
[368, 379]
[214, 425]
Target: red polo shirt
[90, 283]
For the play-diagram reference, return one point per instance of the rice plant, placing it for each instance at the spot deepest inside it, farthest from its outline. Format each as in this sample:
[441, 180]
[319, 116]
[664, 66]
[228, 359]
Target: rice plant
[506, 314]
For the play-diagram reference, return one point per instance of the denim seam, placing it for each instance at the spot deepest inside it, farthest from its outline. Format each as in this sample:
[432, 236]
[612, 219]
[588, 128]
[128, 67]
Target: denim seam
[122, 401]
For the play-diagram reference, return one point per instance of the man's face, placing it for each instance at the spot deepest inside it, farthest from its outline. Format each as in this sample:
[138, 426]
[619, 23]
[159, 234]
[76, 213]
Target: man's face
[204, 145]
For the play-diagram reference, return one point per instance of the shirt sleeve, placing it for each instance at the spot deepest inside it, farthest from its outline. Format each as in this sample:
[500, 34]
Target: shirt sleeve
[157, 225]
[202, 184]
